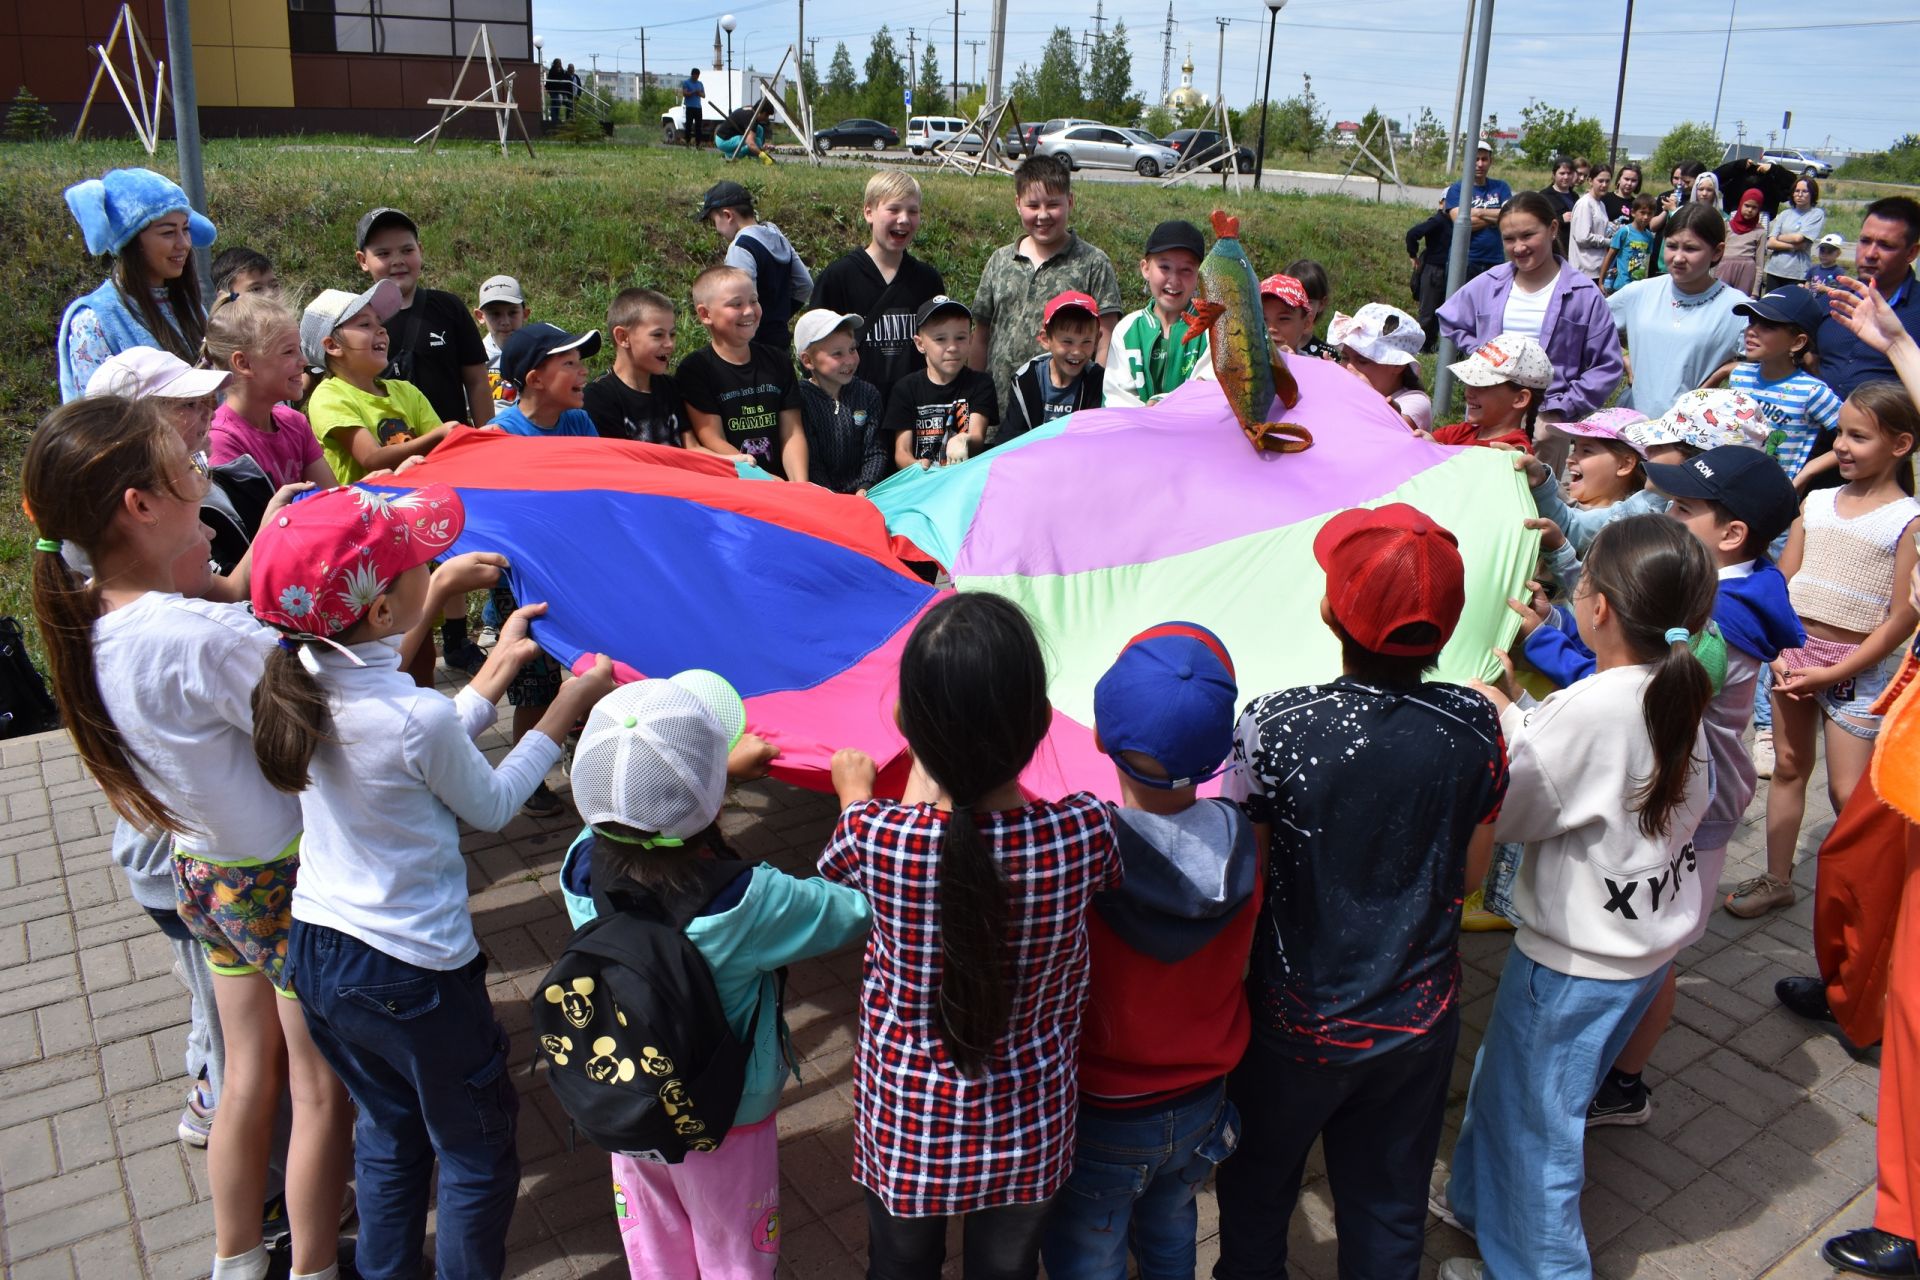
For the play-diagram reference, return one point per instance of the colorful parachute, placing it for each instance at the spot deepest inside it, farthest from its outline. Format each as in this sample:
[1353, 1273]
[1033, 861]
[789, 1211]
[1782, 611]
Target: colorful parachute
[1099, 525]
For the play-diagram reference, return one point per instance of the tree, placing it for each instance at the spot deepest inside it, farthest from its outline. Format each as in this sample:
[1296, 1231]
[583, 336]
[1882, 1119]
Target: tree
[1297, 124]
[27, 119]
[1110, 94]
[930, 95]
[1429, 136]
[840, 94]
[884, 95]
[1547, 132]
[1054, 89]
[1688, 140]
[1160, 122]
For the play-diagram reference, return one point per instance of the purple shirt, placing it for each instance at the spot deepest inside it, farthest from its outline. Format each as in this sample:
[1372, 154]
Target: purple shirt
[283, 453]
[1578, 334]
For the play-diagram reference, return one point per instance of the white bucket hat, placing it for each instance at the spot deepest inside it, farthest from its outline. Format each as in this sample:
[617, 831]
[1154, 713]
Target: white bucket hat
[1380, 333]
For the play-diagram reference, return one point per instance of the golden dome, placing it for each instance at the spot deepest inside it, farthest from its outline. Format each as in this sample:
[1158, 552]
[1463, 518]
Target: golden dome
[1186, 95]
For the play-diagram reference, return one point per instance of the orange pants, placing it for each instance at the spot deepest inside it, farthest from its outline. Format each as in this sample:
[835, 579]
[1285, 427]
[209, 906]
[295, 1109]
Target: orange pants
[1897, 1211]
[1857, 901]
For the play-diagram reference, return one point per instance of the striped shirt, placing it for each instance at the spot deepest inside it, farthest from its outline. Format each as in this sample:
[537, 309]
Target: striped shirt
[931, 1141]
[1798, 408]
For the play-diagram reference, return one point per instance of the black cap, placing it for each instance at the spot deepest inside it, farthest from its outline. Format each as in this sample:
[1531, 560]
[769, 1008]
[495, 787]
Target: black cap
[529, 345]
[939, 305]
[1747, 482]
[378, 219]
[1176, 234]
[724, 195]
[1792, 305]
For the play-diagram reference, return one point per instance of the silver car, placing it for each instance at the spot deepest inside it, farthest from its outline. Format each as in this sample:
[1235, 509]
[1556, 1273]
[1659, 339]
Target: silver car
[1102, 146]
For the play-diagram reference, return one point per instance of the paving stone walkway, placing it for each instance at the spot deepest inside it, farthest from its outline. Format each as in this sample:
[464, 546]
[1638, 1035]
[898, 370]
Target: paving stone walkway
[1762, 1143]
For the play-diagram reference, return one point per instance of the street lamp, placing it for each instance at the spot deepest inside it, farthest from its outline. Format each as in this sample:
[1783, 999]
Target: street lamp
[1260, 157]
[727, 24]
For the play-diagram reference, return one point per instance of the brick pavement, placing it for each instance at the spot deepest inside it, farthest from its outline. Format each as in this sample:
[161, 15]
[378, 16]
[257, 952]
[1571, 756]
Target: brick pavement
[1761, 1145]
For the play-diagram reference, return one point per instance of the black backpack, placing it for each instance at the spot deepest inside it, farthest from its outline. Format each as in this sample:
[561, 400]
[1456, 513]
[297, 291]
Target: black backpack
[638, 1048]
[232, 508]
[25, 705]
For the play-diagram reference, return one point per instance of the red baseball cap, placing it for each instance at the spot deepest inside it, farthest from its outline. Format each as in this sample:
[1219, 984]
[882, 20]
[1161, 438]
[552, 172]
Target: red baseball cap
[319, 563]
[1071, 298]
[1388, 567]
[1287, 289]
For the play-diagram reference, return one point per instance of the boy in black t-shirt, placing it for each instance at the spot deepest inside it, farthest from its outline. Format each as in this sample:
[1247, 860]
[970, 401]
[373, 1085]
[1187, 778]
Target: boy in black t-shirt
[941, 413]
[1063, 379]
[742, 399]
[883, 284]
[638, 401]
[432, 341]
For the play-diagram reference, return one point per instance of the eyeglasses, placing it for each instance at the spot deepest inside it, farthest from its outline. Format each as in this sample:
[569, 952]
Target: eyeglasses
[202, 467]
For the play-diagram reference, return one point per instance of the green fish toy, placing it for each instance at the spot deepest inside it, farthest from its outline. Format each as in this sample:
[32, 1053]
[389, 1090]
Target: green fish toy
[1227, 309]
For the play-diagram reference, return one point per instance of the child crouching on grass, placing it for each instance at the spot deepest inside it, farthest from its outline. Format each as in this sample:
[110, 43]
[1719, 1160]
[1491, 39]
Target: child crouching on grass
[650, 776]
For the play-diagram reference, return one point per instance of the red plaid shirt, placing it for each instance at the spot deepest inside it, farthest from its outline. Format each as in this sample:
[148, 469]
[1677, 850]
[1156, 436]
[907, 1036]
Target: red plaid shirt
[931, 1141]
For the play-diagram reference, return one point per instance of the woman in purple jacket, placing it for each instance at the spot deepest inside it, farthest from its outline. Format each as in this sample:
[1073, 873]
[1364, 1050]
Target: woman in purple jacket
[1540, 294]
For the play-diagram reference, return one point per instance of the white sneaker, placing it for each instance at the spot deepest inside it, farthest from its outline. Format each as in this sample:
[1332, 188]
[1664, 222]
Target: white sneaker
[1763, 753]
[1463, 1269]
[1441, 1208]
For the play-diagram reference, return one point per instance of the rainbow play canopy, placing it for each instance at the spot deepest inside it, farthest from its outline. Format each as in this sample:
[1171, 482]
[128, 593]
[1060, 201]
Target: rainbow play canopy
[1100, 524]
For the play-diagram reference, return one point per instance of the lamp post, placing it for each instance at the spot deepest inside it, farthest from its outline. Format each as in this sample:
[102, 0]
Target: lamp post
[727, 24]
[540, 78]
[1266, 91]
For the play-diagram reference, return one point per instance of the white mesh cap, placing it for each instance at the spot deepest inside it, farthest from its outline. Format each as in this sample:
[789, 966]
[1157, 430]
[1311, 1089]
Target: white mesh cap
[653, 755]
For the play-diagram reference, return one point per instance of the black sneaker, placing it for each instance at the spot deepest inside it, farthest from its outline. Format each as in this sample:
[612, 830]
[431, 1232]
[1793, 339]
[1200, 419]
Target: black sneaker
[1622, 1105]
[542, 803]
[467, 657]
[1805, 997]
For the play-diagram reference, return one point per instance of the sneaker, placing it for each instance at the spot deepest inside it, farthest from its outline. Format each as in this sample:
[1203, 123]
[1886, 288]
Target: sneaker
[275, 1233]
[1806, 997]
[1763, 753]
[1761, 894]
[466, 657]
[488, 637]
[196, 1122]
[1463, 1269]
[1617, 1105]
[1441, 1208]
[1475, 918]
[542, 803]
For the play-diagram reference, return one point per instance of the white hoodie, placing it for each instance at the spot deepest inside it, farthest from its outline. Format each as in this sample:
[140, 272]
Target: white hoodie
[1599, 899]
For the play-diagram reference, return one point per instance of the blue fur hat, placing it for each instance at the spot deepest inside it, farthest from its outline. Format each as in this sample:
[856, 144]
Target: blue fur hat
[113, 209]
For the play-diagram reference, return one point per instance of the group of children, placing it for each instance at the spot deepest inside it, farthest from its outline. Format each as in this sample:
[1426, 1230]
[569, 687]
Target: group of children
[1071, 1011]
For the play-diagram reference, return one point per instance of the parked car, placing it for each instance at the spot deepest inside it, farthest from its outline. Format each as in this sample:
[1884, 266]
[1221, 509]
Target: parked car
[1206, 148]
[924, 133]
[1019, 141]
[858, 132]
[1804, 163]
[1101, 146]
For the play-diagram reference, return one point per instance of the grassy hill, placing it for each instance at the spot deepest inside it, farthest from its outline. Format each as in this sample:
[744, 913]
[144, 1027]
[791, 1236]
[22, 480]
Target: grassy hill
[575, 225]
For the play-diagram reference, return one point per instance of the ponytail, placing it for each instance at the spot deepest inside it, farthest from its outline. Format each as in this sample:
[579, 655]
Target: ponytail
[1661, 585]
[290, 719]
[973, 708]
[82, 459]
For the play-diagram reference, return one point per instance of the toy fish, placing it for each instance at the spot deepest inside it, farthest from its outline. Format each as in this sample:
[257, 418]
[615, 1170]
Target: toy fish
[1227, 310]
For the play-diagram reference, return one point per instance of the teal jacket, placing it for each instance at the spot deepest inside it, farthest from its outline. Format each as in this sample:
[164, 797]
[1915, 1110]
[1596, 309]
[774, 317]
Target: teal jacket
[780, 919]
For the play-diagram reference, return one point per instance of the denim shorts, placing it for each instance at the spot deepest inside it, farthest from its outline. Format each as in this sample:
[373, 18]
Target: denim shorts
[1849, 703]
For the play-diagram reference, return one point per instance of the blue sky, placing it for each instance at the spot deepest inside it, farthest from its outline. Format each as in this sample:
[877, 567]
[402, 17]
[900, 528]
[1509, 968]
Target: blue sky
[1849, 80]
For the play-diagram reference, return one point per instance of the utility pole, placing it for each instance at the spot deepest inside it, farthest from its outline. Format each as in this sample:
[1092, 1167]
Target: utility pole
[643, 64]
[975, 46]
[799, 43]
[997, 52]
[186, 121]
[811, 57]
[912, 68]
[1166, 55]
[1460, 85]
[1463, 229]
[1733, 7]
[957, 13]
[1220, 63]
[1620, 91]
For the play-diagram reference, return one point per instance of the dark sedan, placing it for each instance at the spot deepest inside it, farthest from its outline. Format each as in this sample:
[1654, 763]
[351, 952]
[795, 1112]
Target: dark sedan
[1206, 148]
[857, 133]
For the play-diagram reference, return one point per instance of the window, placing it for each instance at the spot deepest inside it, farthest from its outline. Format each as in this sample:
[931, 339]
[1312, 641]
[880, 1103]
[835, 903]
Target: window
[1084, 135]
[430, 28]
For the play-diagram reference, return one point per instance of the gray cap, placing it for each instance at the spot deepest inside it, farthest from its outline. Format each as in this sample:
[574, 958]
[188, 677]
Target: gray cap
[333, 308]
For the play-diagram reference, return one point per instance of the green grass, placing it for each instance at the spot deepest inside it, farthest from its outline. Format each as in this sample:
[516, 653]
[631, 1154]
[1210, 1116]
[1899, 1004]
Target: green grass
[576, 224]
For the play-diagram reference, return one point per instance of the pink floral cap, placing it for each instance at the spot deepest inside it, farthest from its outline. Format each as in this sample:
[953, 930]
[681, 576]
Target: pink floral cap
[1608, 424]
[319, 563]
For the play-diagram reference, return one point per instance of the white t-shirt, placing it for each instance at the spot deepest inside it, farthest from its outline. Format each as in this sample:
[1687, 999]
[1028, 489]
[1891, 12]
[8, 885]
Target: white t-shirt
[1674, 340]
[381, 857]
[1527, 311]
[178, 676]
[1599, 899]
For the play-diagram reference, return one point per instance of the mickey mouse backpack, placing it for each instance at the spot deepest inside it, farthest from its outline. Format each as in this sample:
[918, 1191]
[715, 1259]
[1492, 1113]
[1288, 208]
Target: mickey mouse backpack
[638, 1048]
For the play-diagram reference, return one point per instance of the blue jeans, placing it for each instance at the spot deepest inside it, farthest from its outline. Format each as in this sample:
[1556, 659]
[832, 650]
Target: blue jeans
[1521, 1159]
[1134, 1181]
[426, 1063]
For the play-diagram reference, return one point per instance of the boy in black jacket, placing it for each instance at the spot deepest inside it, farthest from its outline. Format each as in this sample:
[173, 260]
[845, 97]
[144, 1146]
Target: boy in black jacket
[1430, 270]
[1063, 379]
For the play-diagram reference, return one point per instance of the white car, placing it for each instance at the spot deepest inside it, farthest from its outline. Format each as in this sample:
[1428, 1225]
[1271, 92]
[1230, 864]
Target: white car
[1804, 163]
[1103, 146]
[932, 133]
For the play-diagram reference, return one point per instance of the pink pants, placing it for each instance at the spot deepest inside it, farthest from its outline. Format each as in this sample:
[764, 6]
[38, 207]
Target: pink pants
[716, 1215]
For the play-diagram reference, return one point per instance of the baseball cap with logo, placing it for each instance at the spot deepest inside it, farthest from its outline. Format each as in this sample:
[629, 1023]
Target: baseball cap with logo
[1387, 568]
[1749, 484]
[332, 308]
[320, 562]
[816, 325]
[653, 756]
[501, 289]
[1511, 357]
[1169, 696]
[1069, 300]
[1287, 289]
[148, 371]
[528, 346]
[936, 306]
[1792, 305]
[379, 220]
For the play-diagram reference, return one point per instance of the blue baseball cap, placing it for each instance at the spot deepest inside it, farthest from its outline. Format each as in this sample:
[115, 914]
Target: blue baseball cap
[1794, 305]
[1171, 696]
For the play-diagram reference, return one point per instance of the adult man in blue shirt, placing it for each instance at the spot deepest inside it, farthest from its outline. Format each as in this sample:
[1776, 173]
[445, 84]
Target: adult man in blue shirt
[1489, 195]
[1889, 242]
[693, 96]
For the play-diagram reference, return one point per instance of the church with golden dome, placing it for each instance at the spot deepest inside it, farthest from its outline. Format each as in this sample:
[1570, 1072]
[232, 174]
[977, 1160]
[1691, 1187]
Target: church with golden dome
[1186, 96]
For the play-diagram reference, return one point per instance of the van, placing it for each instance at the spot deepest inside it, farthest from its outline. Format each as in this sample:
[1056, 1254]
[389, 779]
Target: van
[927, 132]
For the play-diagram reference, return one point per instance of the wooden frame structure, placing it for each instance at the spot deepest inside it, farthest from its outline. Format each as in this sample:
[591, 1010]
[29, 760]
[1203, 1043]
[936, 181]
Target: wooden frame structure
[145, 117]
[497, 97]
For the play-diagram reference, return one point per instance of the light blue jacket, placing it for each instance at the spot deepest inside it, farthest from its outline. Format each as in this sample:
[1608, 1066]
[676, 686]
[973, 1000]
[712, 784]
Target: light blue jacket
[780, 919]
[121, 327]
[1582, 526]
